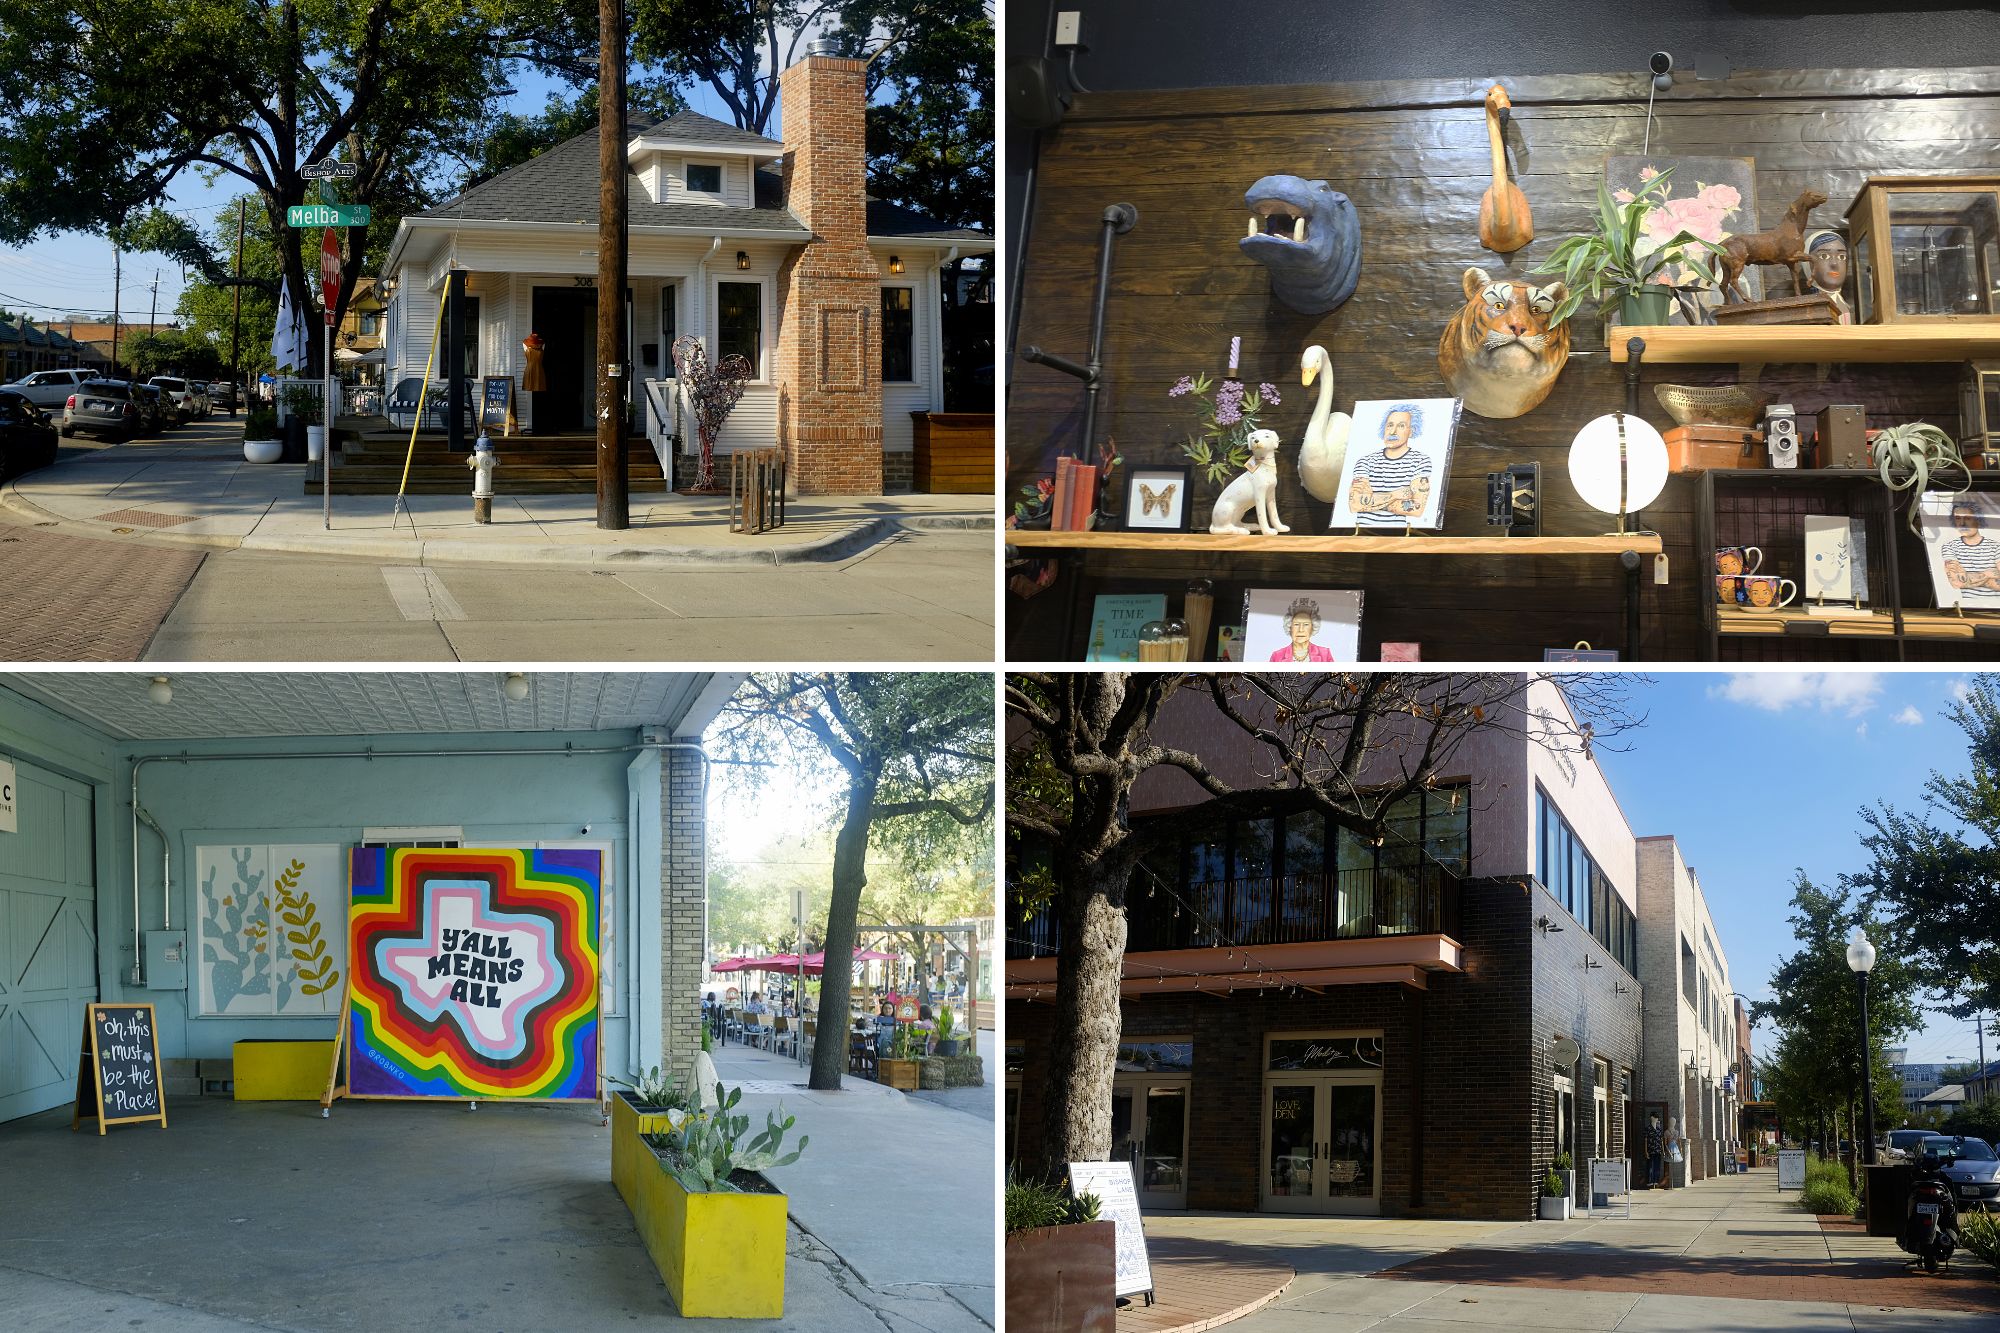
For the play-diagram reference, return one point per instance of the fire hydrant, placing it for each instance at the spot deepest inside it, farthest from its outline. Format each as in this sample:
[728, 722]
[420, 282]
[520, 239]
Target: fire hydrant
[482, 463]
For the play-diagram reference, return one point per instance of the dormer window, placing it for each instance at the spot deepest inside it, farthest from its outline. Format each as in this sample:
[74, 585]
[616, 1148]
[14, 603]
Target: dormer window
[704, 178]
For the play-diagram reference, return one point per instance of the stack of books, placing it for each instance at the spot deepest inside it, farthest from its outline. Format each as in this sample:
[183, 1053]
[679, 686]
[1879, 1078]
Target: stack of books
[1075, 498]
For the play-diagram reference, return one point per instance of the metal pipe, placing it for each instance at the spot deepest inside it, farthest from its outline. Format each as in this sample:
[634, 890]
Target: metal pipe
[1117, 219]
[166, 870]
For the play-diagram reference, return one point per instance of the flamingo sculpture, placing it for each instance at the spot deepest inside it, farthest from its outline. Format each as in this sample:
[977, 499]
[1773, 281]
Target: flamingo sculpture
[1324, 450]
[1505, 223]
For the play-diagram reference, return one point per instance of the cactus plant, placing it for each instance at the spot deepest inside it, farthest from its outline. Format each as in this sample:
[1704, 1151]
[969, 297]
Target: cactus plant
[707, 1147]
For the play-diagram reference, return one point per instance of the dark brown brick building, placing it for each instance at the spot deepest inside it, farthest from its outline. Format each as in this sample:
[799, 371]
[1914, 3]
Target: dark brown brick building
[1310, 1024]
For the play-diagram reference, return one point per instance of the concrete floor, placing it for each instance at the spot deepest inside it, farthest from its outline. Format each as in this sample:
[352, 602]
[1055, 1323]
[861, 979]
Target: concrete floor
[386, 1216]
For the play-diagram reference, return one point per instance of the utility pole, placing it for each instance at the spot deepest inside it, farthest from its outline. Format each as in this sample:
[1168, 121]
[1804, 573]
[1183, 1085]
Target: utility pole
[153, 312]
[117, 281]
[613, 506]
[236, 314]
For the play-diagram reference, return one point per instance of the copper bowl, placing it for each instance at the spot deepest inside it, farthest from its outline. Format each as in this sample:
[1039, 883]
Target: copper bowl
[1711, 404]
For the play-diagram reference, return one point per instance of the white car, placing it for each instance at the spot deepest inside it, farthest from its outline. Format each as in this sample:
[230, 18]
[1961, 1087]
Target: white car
[50, 389]
[179, 394]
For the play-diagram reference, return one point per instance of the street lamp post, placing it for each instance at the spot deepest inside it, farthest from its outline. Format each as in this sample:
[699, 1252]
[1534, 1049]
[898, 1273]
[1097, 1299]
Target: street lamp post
[1861, 957]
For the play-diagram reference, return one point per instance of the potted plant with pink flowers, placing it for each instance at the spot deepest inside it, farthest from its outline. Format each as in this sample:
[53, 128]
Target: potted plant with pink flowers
[1647, 246]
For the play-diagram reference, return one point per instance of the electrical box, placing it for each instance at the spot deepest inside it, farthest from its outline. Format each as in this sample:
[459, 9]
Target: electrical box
[1069, 28]
[166, 960]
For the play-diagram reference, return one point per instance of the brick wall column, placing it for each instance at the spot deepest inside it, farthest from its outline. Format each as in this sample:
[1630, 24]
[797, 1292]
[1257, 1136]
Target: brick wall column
[828, 362]
[683, 902]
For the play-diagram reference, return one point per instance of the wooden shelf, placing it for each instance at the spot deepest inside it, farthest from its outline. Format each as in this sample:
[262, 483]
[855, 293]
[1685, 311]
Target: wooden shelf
[1764, 343]
[1791, 623]
[1327, 544]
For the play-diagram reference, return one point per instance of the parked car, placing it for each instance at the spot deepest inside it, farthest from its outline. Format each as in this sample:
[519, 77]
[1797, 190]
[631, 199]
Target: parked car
[204, 394]
[1902, 1144]
[155, 412]
[49, 389]
[1969, 1164]
[226, 394]
[179, 397]
[27, 436]
[104, 408]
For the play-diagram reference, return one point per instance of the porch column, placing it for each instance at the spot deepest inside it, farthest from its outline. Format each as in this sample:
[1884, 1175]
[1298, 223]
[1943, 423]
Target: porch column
[683, 907]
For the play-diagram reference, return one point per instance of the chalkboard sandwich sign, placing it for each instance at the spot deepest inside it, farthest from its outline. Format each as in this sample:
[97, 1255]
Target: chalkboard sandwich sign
[118, 1072]
[496, 403]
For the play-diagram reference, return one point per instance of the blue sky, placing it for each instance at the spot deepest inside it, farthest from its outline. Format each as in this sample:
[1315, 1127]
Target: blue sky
[1761, 774]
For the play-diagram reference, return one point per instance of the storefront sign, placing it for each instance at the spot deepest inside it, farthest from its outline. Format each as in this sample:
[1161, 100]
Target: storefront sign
[118, 1072]
[1115, 1189]
[1326, 1053]
[474, 973]
[1791, 1168]
[9, 820]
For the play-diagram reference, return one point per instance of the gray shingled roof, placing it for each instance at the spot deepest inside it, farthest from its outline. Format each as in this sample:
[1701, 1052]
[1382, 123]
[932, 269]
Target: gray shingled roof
[887, 219]
[560, 185]
[693, 127]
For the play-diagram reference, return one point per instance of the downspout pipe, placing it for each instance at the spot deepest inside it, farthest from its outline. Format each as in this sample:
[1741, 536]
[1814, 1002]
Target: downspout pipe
[700, 304]
[183, 757]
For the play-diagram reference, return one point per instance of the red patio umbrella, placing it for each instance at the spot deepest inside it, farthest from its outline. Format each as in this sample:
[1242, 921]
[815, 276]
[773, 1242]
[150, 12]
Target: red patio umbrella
[731, 965]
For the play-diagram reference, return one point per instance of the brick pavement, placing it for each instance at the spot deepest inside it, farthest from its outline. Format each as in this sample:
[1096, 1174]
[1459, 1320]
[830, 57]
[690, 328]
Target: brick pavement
[76, 599]
[1195, 1288]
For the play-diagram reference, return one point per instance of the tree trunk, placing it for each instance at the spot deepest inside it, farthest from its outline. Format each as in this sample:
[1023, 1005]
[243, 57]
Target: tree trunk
[1083, 1056]
[850, 876]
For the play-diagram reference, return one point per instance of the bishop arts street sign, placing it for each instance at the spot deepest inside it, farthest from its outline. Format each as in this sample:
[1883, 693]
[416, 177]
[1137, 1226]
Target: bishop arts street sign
[330, 169]
[327, 215]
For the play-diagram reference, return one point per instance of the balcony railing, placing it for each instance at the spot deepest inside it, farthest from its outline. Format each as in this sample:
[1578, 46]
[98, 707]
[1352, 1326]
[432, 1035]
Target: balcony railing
[1403, 895]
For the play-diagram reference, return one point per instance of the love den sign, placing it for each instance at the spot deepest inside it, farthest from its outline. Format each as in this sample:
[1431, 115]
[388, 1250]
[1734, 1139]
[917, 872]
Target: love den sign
[473, 973]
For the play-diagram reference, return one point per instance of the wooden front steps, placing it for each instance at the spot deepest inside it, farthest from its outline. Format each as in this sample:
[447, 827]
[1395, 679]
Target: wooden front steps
[371, 463]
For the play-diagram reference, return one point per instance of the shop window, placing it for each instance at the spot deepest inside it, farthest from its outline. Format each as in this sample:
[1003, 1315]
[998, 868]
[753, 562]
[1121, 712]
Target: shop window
[1305, 878]
[1565, 1107]
[1156, 1055]
[1207, 891]
[1355, 913]
[1253, 880]
[899, 335]
[419, 836]
[1687, 972]
[739, 323]
[1600, 1096]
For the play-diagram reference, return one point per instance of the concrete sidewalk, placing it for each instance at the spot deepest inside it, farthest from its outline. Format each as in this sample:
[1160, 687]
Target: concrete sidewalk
[900, 1189]
[1727, 1253]
[192, 487]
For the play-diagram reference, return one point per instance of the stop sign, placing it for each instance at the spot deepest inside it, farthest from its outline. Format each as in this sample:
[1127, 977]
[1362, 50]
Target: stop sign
[329, 271]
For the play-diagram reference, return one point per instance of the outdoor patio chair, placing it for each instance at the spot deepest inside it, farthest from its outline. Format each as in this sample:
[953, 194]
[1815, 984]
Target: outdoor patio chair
[861, 1058]
[403, 400]
[781, 1032]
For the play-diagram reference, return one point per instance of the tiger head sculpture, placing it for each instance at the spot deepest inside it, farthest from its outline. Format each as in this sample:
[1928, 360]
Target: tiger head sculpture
[1501, 353]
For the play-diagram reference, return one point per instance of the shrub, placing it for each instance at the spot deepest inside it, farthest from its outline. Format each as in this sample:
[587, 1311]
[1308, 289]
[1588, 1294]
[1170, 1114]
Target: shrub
[260, 424]
[1552, 1186]
[1827, 1197]
[1562, 1162]
[1980, 1233]
[1033, 1204]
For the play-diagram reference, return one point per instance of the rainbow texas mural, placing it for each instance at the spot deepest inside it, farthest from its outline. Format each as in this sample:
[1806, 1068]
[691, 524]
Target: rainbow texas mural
[474, 973]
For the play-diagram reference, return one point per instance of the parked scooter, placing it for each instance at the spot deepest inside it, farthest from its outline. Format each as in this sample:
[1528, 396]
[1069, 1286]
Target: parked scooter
[1930, 1219]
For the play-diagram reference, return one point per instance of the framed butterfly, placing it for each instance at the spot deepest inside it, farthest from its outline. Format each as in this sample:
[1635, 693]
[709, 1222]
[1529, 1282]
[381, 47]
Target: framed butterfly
[1156, 499]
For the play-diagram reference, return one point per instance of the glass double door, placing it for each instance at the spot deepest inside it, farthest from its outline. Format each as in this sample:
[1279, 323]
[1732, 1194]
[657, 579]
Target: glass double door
[1149, 1129]
[1321, 1143]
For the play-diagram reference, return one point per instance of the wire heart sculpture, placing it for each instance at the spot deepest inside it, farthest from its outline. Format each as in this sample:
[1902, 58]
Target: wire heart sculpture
[1923, 451]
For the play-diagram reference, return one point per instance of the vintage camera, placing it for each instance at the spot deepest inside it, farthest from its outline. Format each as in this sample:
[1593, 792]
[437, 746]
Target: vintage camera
[1781, 435]
[1513, 499]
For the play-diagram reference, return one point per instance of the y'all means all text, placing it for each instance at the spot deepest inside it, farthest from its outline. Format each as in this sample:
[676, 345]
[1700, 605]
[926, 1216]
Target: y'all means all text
[479, 962]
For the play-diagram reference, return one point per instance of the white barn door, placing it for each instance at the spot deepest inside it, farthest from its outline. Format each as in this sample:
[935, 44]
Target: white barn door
[48, 941]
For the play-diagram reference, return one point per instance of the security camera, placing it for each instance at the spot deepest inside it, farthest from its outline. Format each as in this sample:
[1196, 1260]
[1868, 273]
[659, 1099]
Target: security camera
[1662, 65]
[585, 833]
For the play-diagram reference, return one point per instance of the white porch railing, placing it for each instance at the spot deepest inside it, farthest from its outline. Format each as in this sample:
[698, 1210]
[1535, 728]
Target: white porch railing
[356, 400]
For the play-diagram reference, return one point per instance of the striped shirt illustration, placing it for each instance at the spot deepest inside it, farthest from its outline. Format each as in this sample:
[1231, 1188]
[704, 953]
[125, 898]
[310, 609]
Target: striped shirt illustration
[1386, 474]
[1977, 562]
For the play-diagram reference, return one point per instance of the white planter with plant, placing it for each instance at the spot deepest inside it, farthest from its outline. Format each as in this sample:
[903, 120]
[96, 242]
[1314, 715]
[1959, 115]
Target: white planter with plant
[1624, 265]
[1556, 1203]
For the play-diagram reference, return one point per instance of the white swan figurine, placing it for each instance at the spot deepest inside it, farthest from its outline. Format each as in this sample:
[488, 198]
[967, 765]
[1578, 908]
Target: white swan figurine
[1325, 448]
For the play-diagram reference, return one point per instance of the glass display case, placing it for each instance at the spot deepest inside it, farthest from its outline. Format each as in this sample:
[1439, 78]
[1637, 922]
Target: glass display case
[1926, 248]
[1979, 413]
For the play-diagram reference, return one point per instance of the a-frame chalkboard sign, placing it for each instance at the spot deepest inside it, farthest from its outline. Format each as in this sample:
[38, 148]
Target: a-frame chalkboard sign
[118, 1072]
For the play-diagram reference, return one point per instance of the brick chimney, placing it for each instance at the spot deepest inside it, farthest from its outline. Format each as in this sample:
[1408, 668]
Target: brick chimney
[829, 362]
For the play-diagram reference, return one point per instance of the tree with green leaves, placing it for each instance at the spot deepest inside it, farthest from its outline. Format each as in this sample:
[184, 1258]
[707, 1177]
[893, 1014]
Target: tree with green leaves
[1933, 879]
[910, 758]
[1814, 1072]
[1349, 745]
[106, 104]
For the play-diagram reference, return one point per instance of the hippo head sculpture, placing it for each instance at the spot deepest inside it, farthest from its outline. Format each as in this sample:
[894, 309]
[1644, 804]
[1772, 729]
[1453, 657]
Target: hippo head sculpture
[1308, 235]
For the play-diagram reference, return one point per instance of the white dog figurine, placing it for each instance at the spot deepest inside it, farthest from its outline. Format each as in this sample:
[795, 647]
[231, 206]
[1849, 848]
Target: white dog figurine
[1257, 486]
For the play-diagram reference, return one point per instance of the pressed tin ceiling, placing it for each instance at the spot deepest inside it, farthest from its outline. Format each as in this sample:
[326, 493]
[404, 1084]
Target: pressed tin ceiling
[357, 703]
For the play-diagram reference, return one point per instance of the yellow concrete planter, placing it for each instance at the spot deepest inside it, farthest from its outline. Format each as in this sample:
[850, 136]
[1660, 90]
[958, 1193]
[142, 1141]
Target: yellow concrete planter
[280, 1071]
[628, 1122]
[901, 1073]
[722, 1256]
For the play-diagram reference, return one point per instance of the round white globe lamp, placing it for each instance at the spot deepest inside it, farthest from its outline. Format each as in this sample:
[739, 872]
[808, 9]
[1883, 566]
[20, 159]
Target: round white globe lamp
[1618, 464]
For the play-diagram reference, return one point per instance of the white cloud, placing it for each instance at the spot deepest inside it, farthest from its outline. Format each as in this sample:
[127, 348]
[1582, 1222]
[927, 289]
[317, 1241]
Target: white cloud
[1850, 692]
[1961, 689]
[1909, 717]
[1862, 731]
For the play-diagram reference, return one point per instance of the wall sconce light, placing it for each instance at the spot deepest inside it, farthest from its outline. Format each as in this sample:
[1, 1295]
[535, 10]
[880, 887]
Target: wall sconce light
[895, 263]
[742, 262]
[1620, 988]
[1589, 963]
[515, 687]
[1547, 927]
[161, 691]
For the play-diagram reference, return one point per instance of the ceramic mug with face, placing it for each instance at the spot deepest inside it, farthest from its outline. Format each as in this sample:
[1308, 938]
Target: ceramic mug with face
[1738, 560]
[1728, 589]
[1768, 592]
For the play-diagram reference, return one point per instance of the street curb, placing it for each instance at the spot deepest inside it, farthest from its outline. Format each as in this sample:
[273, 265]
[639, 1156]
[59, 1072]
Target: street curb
[833, 547]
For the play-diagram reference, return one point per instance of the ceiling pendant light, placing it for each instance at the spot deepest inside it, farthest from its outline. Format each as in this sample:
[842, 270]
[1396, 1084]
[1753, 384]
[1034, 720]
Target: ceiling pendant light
[161, 691]
[515, 687]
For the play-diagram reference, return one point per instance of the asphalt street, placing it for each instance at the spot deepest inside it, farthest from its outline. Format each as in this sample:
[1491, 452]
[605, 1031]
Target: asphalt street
[917, 596]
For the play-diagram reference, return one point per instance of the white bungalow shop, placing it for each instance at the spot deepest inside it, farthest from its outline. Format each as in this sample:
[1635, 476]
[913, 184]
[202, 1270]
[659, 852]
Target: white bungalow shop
[711, 239]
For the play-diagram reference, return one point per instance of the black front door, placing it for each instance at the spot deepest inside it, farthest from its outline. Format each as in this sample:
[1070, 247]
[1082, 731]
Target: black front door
[566, 317]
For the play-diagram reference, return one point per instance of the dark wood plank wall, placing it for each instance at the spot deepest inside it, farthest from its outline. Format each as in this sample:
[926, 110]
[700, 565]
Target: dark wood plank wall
[1414, 159]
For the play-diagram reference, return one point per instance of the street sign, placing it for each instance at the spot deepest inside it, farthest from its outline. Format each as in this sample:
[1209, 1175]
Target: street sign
[330, 168]
[323, 215]
[329, 272]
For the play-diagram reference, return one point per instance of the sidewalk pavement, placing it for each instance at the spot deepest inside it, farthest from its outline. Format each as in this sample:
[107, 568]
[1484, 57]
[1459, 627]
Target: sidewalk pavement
[900, 1189]
[193, 488]
[1726, 1253]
